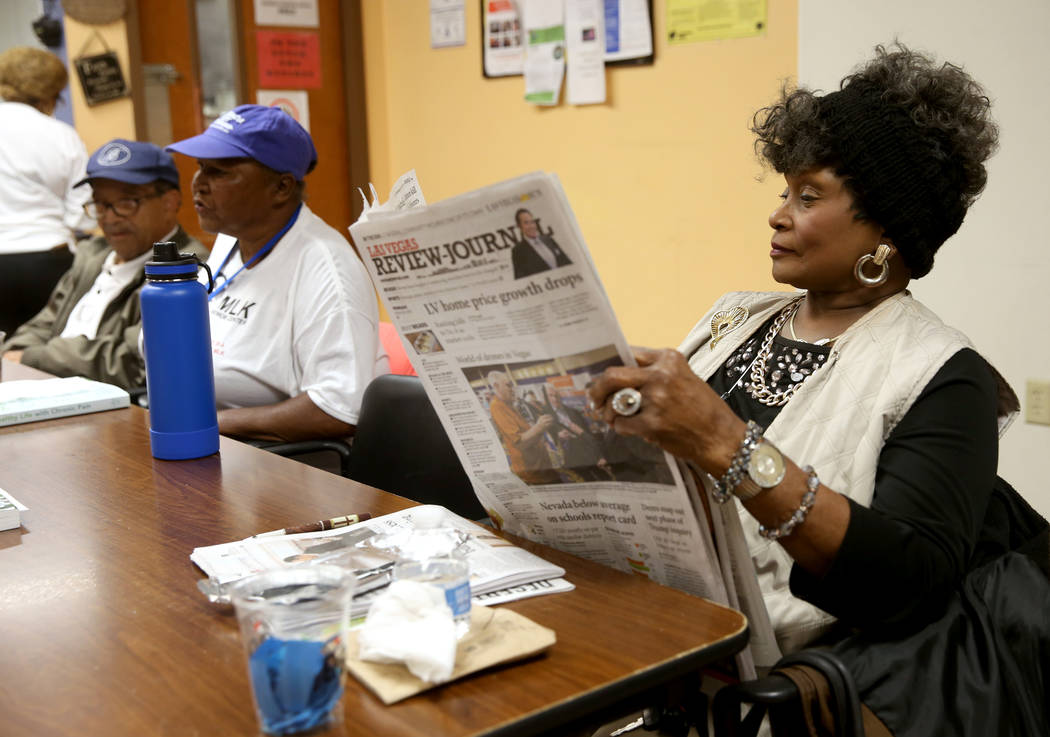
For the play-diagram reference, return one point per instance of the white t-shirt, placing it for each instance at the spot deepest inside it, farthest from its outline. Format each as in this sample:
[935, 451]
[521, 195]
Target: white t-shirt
[40, 160]
[303, 319]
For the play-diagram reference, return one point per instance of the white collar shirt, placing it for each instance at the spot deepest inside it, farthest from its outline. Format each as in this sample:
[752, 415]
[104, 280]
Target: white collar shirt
[86, 315]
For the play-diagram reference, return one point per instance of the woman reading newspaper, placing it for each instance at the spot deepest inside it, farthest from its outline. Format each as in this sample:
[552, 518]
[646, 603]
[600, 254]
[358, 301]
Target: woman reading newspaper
[855, 431]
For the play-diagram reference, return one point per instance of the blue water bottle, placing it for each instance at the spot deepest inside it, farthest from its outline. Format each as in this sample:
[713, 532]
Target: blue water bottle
[177, 347]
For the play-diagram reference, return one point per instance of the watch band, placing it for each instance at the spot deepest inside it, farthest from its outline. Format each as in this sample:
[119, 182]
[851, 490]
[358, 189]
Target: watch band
[747, 489]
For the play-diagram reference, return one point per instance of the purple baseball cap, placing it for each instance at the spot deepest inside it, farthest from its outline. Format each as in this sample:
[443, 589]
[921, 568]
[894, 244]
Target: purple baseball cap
[133, 162]
[267, 134]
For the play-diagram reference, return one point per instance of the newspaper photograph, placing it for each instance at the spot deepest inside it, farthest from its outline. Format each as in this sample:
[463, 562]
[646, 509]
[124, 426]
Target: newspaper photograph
[506, 322]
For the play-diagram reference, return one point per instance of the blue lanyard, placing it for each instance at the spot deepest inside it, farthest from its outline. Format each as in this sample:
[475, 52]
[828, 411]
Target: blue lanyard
[262, 252]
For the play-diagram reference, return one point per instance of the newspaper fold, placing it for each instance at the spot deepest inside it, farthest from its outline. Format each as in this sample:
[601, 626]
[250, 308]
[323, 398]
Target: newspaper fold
[506, 321]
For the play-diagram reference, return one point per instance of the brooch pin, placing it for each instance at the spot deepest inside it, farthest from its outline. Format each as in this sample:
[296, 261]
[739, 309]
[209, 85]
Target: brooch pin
[725, 321]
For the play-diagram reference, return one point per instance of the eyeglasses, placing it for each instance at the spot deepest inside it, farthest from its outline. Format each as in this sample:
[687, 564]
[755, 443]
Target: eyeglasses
[125, 207]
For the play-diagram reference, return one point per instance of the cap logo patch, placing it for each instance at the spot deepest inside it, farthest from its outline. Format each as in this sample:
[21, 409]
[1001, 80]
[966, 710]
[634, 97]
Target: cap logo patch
[225, 122]
[114, 154]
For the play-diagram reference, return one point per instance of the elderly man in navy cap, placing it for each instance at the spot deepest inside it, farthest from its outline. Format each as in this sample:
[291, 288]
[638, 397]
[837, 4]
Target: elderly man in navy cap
[294, 319]
[91, 323]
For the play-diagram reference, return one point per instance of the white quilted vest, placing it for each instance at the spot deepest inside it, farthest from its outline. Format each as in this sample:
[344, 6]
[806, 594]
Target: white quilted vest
[838, 420]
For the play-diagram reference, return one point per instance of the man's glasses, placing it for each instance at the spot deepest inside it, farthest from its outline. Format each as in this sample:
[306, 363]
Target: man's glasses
[125, 207]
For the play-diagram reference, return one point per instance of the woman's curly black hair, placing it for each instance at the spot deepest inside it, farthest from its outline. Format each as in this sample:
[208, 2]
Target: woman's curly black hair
[936, 110]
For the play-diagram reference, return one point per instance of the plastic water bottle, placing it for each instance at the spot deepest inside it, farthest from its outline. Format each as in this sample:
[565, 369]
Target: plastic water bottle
[177, 346]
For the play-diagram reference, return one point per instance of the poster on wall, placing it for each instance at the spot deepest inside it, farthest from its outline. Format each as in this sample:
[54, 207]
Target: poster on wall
[502, 49]
[294, 102]
[628, 30]
[689, 21]
[301, 13]
[544, 25]
[585, 49]
[101, 77]
[448, 23]
[288, 59]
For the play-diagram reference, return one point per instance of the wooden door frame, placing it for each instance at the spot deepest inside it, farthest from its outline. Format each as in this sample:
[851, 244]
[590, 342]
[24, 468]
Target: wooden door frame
[358, 169]
[357, 165]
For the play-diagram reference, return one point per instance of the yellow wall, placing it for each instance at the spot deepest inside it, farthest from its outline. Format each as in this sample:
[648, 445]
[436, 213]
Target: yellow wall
[662, 178]
[116, 118]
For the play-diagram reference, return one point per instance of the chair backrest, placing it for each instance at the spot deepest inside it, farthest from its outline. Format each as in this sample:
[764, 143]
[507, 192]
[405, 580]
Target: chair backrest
[401, 447]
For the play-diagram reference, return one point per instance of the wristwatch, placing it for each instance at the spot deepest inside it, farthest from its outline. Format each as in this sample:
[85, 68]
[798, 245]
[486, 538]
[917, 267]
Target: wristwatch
[765, 469]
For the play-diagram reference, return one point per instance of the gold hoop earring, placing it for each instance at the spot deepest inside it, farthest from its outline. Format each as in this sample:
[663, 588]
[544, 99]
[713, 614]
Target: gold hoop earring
[882, 253]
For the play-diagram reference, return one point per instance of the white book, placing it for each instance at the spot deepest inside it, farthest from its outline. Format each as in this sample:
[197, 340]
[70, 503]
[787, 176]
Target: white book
[30, 400]
[10, 511]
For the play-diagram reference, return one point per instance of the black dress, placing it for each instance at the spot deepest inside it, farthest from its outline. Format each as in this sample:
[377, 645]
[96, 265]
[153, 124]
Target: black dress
[940, 586]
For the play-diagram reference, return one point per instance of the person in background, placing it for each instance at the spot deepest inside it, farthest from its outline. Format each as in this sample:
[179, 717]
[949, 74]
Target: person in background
[41, 158]
[530, 407]
[524, 441]
[91, 323]
[294, 318]
[581, 453]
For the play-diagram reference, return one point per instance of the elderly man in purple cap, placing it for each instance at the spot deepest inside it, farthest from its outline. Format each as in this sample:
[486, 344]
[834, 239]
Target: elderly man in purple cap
[91, 323]
[294, 318]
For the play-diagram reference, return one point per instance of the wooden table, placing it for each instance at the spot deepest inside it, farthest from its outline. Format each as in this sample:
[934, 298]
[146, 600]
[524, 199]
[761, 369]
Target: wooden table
[105, 633]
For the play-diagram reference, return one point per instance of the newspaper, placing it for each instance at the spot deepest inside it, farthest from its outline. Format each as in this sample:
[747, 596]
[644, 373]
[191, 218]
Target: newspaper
[505, 320]
[499, 570]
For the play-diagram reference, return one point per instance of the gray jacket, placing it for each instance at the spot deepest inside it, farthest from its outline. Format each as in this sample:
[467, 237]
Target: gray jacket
[113, 355]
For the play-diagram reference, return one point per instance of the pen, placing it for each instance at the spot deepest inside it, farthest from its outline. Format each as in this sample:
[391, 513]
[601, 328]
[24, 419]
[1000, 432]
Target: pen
[325, 524]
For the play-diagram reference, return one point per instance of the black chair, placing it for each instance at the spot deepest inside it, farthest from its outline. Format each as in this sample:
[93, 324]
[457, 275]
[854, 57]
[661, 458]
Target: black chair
[303, 447]
[140, 397]
[341, 449]
[777, 689]
[401, 447]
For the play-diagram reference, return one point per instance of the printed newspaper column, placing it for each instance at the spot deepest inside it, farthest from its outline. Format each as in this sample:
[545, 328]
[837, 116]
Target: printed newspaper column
[544, 22]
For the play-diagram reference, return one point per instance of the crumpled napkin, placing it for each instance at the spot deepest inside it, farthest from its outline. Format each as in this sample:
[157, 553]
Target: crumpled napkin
[411, 623]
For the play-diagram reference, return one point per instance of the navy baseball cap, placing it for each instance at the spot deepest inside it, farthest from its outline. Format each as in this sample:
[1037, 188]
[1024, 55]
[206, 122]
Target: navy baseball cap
[133, 162]
[267, 134]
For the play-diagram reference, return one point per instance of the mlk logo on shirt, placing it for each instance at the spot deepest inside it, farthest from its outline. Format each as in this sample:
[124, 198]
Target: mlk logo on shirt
[232, 309]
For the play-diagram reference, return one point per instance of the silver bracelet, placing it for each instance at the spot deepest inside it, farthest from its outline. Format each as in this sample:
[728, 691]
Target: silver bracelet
[723, 487]
[799, 516]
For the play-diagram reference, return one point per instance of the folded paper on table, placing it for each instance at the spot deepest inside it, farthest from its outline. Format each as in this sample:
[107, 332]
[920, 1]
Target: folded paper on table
[496, 636]
[495, 563]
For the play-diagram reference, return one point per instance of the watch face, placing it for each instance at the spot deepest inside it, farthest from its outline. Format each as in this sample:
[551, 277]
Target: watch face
[767, 466]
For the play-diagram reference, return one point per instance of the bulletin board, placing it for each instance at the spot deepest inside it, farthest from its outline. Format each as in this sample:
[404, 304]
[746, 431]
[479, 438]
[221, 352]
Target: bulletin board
[628, 35]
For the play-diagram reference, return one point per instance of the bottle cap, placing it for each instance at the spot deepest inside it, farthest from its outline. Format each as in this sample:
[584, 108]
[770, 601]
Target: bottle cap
[170, 265]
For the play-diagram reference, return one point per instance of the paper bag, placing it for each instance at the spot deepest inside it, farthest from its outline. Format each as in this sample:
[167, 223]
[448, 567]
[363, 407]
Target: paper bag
[496, 636]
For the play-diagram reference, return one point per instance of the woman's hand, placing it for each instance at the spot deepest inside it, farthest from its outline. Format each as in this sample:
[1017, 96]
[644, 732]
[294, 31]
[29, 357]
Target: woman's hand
[679, 411]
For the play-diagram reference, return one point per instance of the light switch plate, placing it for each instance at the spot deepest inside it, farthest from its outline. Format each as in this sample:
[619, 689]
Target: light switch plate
[1037, 401]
